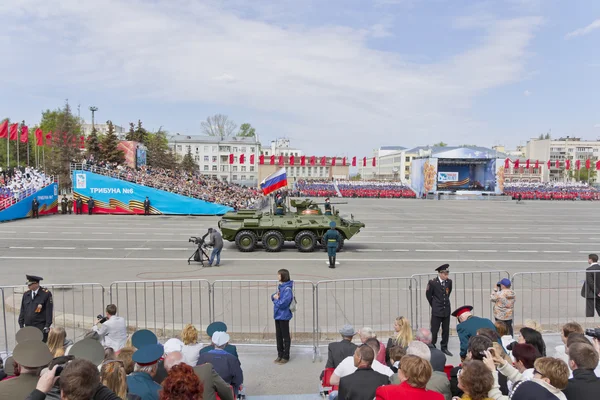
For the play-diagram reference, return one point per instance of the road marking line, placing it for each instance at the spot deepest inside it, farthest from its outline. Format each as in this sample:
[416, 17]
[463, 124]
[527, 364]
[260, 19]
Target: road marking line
[100, 248]
[58, 248]
[437, 250]
[135, 233]
[8, 232]
[556, 251]
[369, 250]
[400, 250]
[481, 237]
[137, 248]
[522, 251]
[39, 232]
[21, 247]
[78, 233]
[176, 248]
[457, 237]
[482, 251]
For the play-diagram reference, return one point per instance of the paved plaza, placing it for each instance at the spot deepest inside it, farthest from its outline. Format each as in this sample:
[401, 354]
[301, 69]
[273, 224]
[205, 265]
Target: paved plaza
[401, 238]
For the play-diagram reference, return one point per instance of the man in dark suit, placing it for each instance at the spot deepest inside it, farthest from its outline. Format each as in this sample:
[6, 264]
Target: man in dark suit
[363, 383]
[35, 208]
[591, 287]
[438, 295]
[91, 203]
[36, 306]
[147, 206]
[213, 383]
[438, 359]
[468, 325]
[79, 206]
[337, 351]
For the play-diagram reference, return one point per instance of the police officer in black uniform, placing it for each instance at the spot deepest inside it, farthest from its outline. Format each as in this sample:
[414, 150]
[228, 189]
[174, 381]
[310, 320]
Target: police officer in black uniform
[35, 208]
[90, 204]
[36, 306]
[63, 205]
[79, 206]
[147, 206]
[438, 295]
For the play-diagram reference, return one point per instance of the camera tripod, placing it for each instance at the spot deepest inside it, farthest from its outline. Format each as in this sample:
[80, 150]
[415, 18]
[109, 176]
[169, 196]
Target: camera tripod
[199, 255]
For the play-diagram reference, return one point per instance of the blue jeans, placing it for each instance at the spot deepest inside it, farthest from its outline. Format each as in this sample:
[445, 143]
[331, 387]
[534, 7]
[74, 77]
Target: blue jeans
[215, 252]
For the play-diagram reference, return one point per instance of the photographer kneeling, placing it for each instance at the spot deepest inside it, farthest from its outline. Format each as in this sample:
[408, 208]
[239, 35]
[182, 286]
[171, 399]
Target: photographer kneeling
[216, 241]
[112, 329]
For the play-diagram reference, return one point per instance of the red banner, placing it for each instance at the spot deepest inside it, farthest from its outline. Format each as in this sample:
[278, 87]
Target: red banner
[344, 161]
[549, 164]
[231, 159]
[281, 161]
[373, 162]
[13, 130]
[354, 161]
[537, 164]
[292, 159]
[272, 160]
[313, 160]
[598, 165]
[302, 161]
[323, 161]
[507, 163]
[516, 164]
[251, 159]
[578, 164]
[557, 164]
[261, 159]
[527, 164]
[588, 164]
[568, 164]
[49, 139]
[39, 137]
[24, 134]
[242, 158]
[4, 129]
[82, 142]
[364, 161]
[333, 161]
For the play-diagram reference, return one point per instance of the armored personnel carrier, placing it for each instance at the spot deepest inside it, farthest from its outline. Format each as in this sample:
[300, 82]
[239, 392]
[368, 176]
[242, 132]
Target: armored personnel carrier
[305, 227]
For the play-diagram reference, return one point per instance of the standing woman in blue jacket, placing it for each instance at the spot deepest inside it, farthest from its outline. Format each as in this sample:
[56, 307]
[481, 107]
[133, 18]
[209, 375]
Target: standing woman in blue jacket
[282, 314]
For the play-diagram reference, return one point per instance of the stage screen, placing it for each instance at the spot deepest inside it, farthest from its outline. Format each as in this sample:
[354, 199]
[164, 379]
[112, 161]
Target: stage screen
[480, 175]
[140, 156]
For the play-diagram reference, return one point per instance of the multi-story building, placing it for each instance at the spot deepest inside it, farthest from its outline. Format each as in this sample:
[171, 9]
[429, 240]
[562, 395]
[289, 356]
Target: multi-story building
[562, 149]
[102, 129]
[212, 156]
[391, 163]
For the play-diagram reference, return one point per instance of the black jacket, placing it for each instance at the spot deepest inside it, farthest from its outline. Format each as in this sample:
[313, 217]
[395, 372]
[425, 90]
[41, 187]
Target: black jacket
[591, 286]
[438, 359]
[439, 297]
[29, 314]
[456, 391]
[361, 385]
[584, 385]
[102, 393]
[338, 351]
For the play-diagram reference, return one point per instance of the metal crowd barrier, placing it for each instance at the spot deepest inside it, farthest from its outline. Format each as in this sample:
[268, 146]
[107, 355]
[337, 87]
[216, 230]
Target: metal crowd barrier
[164, 307]
[75, 308]
[468, 288]
[374, 303]
[553, 298]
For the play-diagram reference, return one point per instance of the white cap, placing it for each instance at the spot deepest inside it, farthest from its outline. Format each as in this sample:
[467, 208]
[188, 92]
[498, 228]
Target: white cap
[172, 345]
[220, 338]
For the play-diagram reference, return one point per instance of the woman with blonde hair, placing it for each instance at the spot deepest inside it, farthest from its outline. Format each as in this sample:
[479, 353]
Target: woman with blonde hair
[191, 347]
[113, 376]
[403, 335]
[57, 341]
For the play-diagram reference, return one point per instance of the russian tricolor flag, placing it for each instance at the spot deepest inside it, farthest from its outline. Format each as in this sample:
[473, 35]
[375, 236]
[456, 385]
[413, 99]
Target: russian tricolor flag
[274, 181]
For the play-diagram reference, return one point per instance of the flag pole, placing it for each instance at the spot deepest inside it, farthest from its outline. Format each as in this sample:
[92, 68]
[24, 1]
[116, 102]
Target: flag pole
[18, 140]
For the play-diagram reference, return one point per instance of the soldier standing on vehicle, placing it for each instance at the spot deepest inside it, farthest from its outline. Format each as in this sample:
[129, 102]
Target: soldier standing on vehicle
[327, 206]
[332, 239]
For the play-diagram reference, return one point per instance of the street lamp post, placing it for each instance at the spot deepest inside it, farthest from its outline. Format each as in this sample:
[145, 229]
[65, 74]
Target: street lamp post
[93, 109]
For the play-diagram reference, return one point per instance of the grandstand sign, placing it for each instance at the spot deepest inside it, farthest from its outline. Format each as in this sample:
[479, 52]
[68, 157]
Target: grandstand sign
[447, 176]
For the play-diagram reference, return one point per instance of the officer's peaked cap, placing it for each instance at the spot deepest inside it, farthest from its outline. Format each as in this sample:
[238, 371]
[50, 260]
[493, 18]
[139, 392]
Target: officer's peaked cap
[143, 338]
[443, 268]
[33, 279]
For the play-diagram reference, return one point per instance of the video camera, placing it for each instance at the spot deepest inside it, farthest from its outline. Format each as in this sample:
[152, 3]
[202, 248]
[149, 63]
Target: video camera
[593, 332]
[196, 240]
[102, 318]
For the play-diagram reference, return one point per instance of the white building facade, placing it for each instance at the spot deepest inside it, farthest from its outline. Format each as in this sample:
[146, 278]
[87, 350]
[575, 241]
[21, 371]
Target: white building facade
[392, 163]
[102, 129]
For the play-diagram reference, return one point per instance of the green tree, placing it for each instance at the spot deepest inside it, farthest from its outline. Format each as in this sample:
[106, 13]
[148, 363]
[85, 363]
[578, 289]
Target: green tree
[356, 177]
[440, 144]
[541, 137]
[137, 133]
[110, 151]
[93, 144]
[246, 130]
[131, 134]
[158, 154]
[218, 125]
[188, 164]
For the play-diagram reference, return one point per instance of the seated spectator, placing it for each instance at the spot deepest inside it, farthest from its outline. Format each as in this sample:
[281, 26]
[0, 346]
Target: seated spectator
[475, 380]
[580, 338]
[525, 356]
[210, 331]
[396, 355]
[567, 329]
[58, 342]
[364, 381]
[438, 359]
[114, 377]
[368, 333]
[113, 331]
[438, 381]
[31, 356]
[414, 374]
[11, 368]
[403, 336]
[171, 345]
[191, 347]
[181, 383]
[505, 338]
[533, 324]
[347, 366]
[126, 355]
[583, 358]
[533, 337]
[109, 354]
[227, 365]
[495, 338]
[338, 351]
[141, 382]
[476, 349]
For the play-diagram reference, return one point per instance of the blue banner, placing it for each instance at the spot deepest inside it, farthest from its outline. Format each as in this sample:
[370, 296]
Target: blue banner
[115, 196]
[48, 198]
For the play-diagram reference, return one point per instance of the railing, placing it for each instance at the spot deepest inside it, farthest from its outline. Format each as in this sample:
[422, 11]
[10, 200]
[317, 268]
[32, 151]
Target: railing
[23, 194]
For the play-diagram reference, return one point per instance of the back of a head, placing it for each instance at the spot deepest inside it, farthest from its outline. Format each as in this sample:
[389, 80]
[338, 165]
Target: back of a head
[593, 257]
[373, 344]
[396, 353]
[181, 383]
[114, 377]
[424, 335]
[416, 370]
[366, 333]
[583, 355]
[577, 338]
[172, 359]
[501, 328]
[534, 338]
[189, 335]
[111, 309]
[79, 380]
[477, 346]
[419, 349]
[488, 333]
[554, 369]
[366, 353]
[476, 379]
[126, 355]
[571, 327]
[526, 353]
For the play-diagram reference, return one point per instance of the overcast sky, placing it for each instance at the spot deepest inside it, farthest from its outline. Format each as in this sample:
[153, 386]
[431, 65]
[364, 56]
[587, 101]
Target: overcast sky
[337, 77]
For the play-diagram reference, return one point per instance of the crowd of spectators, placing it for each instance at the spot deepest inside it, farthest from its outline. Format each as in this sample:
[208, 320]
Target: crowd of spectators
[363, 189]
[181, 182]
[551, 191]
[18, 183]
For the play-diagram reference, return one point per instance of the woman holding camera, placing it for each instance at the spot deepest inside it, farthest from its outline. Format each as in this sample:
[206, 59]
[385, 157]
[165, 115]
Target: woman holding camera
[282, 300]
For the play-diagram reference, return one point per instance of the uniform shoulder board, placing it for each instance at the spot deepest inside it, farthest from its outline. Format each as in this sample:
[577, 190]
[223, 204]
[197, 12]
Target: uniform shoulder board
[45, 290]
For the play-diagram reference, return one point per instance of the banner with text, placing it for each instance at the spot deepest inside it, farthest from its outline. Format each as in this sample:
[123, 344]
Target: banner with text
[48, 198]
[115, 196]
[447, 176]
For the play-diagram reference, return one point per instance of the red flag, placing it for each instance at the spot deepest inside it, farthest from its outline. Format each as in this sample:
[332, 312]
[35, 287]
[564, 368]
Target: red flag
[332, 161]
[568, 164]
[4, 129]
[507, 163]
[537, 164]
[549, 164]
[261, 159]
[354, 161]
[281, 161]
[292, 159]
[82, 142]
[303, 160]
[588, 164]
[313, 160]
[598, 165]
[39, 137]
[323, 161]
[49, 139]
[231, 159]
[516, 164]
[251, 159]
[373, 162]
[578, 164]
[24, 134]
[344, 161]
[364, 161]
[272, 160]
[242, 158]
[527, 164]
[13, 131]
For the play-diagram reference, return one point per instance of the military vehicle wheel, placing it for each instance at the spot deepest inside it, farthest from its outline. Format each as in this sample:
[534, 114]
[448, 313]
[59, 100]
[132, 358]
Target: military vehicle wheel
[246, 241]
[306, 241]
[273, 241]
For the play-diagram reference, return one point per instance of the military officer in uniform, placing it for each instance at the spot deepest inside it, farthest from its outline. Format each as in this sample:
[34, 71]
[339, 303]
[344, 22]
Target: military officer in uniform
[36, 306]
[90, 204]
[78, 206]
[63, 205]
[279, 209]
[438, 295]
[70, 205]
[147, 206]
[327, 207]
[468, 325]
[35, 208]
[332, 238]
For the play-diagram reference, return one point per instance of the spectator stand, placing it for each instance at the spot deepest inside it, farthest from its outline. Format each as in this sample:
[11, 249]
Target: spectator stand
[551, 191]
[354, 189]
[24, 183]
